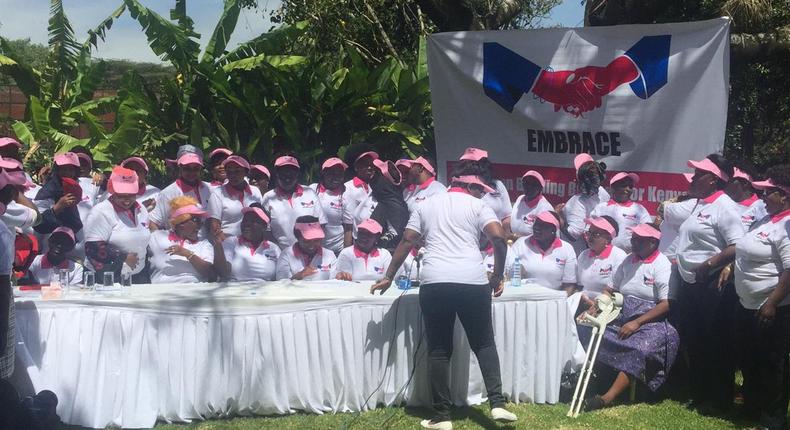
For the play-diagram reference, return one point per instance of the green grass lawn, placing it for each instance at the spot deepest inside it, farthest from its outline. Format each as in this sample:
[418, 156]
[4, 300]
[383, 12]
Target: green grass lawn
[668, 414]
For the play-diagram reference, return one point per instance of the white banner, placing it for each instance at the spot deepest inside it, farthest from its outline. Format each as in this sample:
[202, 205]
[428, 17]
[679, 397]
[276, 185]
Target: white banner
[641, 98]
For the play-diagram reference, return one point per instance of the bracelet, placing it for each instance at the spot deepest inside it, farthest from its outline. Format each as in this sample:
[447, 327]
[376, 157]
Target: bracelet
[189, 257]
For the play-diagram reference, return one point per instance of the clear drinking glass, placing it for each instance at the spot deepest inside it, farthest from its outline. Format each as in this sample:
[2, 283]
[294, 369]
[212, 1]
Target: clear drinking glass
[109, 280]
[126, 279]
[63, 277]
[90, 280]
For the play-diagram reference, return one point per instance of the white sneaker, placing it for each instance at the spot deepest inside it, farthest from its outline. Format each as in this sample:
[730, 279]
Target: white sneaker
[501, 414]
[440, 425]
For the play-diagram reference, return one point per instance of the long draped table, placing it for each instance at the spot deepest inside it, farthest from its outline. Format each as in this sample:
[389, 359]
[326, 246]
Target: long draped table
[186, 352]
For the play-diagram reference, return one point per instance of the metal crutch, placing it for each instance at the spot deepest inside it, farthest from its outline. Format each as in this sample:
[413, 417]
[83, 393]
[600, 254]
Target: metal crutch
[609, 307]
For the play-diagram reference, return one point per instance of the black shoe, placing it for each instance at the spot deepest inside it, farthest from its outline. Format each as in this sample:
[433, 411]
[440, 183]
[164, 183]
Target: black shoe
[594, 403]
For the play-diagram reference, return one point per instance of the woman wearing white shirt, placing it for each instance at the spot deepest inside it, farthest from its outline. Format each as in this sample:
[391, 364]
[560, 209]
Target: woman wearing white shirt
[578, 208]
[116, 233]
[146, 194]
[260, 177]
[545, 259]
[330, 192]
[250, 256]
[529, 204]
[363, 261]
[474, 161]
[7, 317]
[751, 208]
[626, 212]
[596, 265]
[706, 244]
[46, 268]
[178, 256]
[306, 259]
[234, 195]
[762, 280]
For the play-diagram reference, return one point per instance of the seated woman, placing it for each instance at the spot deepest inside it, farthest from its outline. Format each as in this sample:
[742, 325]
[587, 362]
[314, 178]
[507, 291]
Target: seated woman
[178, 255]
[545, 259]
[250, 256]
[596, 265]
[306, 259]
[364, 261]
[640, 344]
[45, 268]
[116, 231]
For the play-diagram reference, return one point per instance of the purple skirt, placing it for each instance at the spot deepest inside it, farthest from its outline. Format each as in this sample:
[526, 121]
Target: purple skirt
[647, 354]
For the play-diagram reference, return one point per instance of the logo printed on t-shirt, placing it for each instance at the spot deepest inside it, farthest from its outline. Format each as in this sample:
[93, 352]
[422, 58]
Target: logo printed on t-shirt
[378, 269]
[307, 205]
[324, 267]
[702, 217]
[419, 199]
[605, 271]
[336, 205]
[763, 235]
[561, 261]
[747, 219]
[630, 217]
[649, 281]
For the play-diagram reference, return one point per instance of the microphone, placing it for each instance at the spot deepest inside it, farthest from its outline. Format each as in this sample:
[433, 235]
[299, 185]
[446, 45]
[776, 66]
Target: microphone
[420, 255]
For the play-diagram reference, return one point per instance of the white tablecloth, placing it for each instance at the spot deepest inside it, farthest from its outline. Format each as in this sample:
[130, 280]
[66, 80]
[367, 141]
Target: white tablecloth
[184, 352]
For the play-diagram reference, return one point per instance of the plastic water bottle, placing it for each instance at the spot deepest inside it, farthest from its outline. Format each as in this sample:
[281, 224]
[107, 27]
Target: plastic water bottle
[404, 283]
[515, 277]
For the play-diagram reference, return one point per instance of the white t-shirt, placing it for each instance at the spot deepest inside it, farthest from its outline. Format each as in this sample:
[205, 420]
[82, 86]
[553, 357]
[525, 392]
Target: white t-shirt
[361, 266]
[121, 229]
[249, 263]
[284, 210]
[499, 200]
[416, 194]
[151, 192]
[674, 215]
[356, 192]
[206, 200]
[751, 210]
[176, 269]
[231, 207]
[19, 216]
[354, 216]
[293, 261]
[595, 273]
[332, 207]
[43, 272]
[628, 214]
[761, 256]
[713, 225]
[451, 226]
[646, 279]
[523, 214]
[578, 209]
[551, 269]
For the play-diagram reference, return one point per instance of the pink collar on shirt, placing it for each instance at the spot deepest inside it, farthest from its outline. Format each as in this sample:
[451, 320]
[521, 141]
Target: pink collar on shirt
[264, 244]
[613, 202]
[713, 197]
[46, 264]
[457, 190]
[780, 216]
[360, 254]
[534, 202]
[236, 193]
[298, 191]
[748, 202]
[131, 212]
[335, 192]
[173, 237]
[359, 183]
[650, 258]
[306, 259]
[427, 183]
[186, 188]
[605, 253]
[554, 245]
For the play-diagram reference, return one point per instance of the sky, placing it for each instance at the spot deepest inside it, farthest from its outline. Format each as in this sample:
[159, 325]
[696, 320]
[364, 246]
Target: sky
[28, 19]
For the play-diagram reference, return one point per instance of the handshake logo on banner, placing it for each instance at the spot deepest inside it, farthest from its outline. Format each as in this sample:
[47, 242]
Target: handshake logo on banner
[507, 76]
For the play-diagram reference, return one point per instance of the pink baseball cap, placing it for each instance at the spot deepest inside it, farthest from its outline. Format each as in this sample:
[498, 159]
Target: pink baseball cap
[67, 231]
[10, 163]
[85, 157]
[189, 158]
[645, 230]
[7, 178]
[236, 159]
[123, 181]
[474, 154]
[220, 151]
[372, 154]
[688, 177]
[548, 217]
[286, 160]
[425, 164]
[169, 162]
[622, 175]
[67, 159]
[6, 141]
[370, 225]
[738, 173]
[769, 183]
[332, 162]
[536, 175]
[310, 230]
[708, 166]
[261, 168]
[189, 209]
[137, 160]
[473, 180]
[258, 212]
[601, 223]
[580, 159]
[388, 169]
[403, 162]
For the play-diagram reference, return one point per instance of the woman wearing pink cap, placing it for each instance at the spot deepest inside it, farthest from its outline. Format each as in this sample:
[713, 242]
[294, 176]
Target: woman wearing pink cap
[422, 182]
[751, 208]
[189, 184]
[543, 258]
[58, 198]
[364, 261]
[289, 200]
[216, 166]
[20, 213]
[707, 301]
[179, 256]
[330, 190]
[234, 195]
[357, 189]
[622, 209]
[116, 233]
[589, 193]
[385, 204]
[147, 193]
[474, 161]
[529, 204]
[260, 177]
[45, 268]
[249, 255]
[762, 281]
[596, 265]
[640, 345]
[306, 259]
